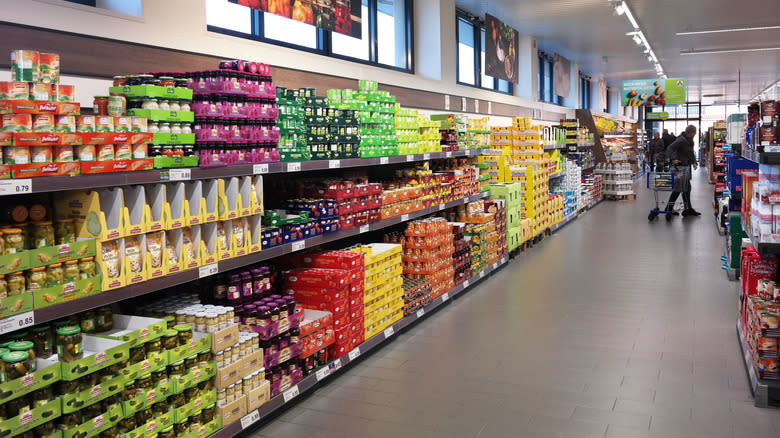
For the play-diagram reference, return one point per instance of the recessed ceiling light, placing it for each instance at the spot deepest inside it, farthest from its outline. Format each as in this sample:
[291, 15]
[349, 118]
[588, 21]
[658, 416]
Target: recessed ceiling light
[733, 29]
[728, 81]
[713, 95]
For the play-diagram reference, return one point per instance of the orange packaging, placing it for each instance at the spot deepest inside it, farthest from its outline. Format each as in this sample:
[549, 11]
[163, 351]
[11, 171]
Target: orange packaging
[122, 124]
[104, 124]
[43, 123]
[63, 154]
[49, 68]
[17, 123]
[25, 65]
[65, 124]
[85, 124]
[65, 93]
[41, 154]
[140, 151]
[16, 155]
[105, 152]
[139, 124]
[86, 152]
[123, 152]
[14, 91]
[40, 92]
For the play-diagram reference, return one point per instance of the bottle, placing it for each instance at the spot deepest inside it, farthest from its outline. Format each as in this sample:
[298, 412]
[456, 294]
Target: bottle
[234, 288]
[246, 286]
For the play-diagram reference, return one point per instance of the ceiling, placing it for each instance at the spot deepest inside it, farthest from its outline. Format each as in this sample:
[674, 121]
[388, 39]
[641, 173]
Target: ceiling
[587, 31]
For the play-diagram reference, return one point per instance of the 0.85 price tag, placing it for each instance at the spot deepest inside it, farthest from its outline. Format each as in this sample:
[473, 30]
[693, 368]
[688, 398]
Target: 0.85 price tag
[334, 164]
[208, 270]
[16, 322]
[290, 393]
[15, 186]
[250, 419]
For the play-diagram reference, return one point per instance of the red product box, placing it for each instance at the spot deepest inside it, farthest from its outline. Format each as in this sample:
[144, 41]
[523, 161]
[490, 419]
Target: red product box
[355, 301]
[47, 139]
[313, 320]
[341, 322]
[755, 267]
[117, 166]
[337, 308]
[357, 326]
[6, 138]
[361, 218]
[39, 107]
[337, 350]
[346, 222]
[335, 260]
[357, 274]
[318, 277]
[356, 312]
[357, 289]
[70, 168]
[318, 294]
[358, 339]
[342, 335]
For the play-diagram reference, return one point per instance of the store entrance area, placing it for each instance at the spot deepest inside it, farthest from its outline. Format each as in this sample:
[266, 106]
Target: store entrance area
[636, 339]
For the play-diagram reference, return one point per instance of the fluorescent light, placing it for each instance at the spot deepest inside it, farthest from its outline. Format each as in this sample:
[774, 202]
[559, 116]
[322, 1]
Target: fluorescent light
[710, 52]
[734, 29]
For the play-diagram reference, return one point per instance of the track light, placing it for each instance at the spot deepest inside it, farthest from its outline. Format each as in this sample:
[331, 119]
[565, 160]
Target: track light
[620, 9]
[637, 40]
[650, 58]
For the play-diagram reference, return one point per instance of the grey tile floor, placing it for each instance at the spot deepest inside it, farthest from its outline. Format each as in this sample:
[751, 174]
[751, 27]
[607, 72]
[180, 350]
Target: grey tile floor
[613, 327]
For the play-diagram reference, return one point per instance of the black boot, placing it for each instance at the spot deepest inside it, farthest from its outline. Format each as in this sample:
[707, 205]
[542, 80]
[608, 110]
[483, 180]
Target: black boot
[688, 212]
[694, 212]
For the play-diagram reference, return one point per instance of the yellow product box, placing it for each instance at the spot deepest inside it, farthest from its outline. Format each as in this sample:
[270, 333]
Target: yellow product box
[96, 213]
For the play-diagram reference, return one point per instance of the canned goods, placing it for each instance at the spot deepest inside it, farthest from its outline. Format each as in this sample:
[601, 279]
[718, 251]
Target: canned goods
[104, 124]
[17, 123]
[40, 92]
[140, 151]
[43, 123]
[85, 124]
[123, 152]
[122, 124]
[139, 124]
[116, 105]
[41, 154]
[16, 155]
[65, 93]
[63, 154]
[25, 65]
[49, 68]
[14, 91]
[86, 152]
[65, 124]
[105, 152]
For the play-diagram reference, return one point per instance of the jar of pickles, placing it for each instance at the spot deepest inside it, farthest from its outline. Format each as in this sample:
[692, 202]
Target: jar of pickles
[42, 396]
[176, 369]
[43, 234]
[143, 383]
[87, 322]
[14, 365]
[180, 427]
[71, 271]
[3, 287]
[27, 347]
[204, 357]
[36, 278]
[207, 415]
[69, 344]
[166, 433]
[16, 284]
[153, 347]
[64, 231]
[170, 339]
[129, 392]
[104, 319]
[222, 398]
[184, 333]
[177, 400]
[43, 340]
[127, 424]
[55, 275]
[190, 362]
[86, 267]
[143, 416]
[14, 240]
[191, 393]
[137, 354]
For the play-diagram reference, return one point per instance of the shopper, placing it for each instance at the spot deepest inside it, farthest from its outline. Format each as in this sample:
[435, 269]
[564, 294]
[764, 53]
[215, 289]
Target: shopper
[668, 138]
[656, 154]
[681, 154]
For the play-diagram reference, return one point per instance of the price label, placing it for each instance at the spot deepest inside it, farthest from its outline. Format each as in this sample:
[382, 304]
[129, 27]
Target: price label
[445, 296]
[334, 164]
[294, 167]
[323, 373]
[426, 156]
[16, 322]
[299, 245]
[208, 270]
[442, 207]
[482, 274]
[448, 154]
[503, 260]
[365, 229]
[446, 102]
[354, 354]
[466, 284]
[179, 175]
[490, 107]
[409, 158]
[15, 186]
[248, 420]
[420, 313]
[495, 265]
[290, 393]
[389, 332]
[384, 160]
[404, 217]
[258, 169]
[767, 120]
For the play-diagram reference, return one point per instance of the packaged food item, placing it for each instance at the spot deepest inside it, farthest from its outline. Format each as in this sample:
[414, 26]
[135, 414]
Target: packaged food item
[3, 287]
[43, 234]
[25, 65]
[170, 251]
[122, 124]
[222, 240]
[16, 284]
[104, 319]
[87, 322]
[14, 91]
[49, 68]
[85, 124]
[184, 333]
[27, 347]
[87, 267]
[238, 232]
[153, 347]
[65, 124]
[154, 248]
[14, 241]
[139, 124]
[69, 344]
[116, 106]
[43, 123]
[111, 258]
[137, 354]
[105, 152]
[188, 246]
[133, 254]
[170, 339]
[55, 275]
[86, 152]
[65, 93]
[104, 123]
[42, 154]
[16, 155]
[36, 278]
[17, 123]
[124, 151]
[140, 151]
[41, 92]
[71, 271]
[63, 154]
[64, 231]
[100, 105]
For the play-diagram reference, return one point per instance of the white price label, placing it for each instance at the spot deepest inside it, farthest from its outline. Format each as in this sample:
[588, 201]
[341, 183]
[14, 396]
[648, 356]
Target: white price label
[442, 207]
[445, 296]
[476, 105]
[179, 175]
[409, 158]
[365, 229]
[354, 354]
[448, 154]
[259, 168]
[490, 107]
[299, 245]
[250, 419]
[294, 167]
[334, 164]
[16, 322]
[503, 260]
[404, 217]
[384, 160]
[495, 265]
[466, 284]
[389, 332]
[446, 102]
[767, 120]
[15, 186]
[208, 270]
[323, 373]
[426, 156]
[482, 274]
[765, 143]
[290, 393]
[420, 313]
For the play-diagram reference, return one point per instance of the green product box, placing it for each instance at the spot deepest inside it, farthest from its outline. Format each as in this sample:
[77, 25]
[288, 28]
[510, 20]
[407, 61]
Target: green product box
[14, 262]
[736, 234]
[318, 139]
[277, 218]
[175, 162]
[94, 426]
[146, 398]
[152, 427]
[72, 402]
[99, 353]
[14, 426]
[66, 292]
[16, 304]
[193, 377]
[294, 156]
[205, 430]
[164, 115]
[206, 398]
[317, 121]
[316, 101]
[322, 155]
[155, 363]
[153, 91]
[173, 139]
[135, 330]
[199, 342]
[48, 372]
[61, 253]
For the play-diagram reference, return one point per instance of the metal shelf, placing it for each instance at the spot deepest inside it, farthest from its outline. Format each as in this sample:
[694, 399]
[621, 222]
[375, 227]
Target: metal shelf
[760, 388]
[112, 296]
[61, 183]
[761, 157]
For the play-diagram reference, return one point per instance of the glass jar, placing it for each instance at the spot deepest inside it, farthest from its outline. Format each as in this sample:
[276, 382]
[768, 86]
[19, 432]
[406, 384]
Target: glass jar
[104, 319]
[14, 240]
[64, 231]
[153, 347]
[185, 106]
[87, 267]
[45, 430]
[230, 394]
[196, 420]
[36, 278]
[127, 424]
[143, 416]
[170, 339]
[42, 396]
[70, 421]
[100, 105]
[111, 432]
[64, 387]
[149, 104]
[166, 433]
[164, 105]
[88, 322]
[55, 275]
[180, 428]
[174, 106]
[228, 359]
[43, 234]
[206, 385]
[160, 408]
[190, 362]
[167, 81]
[69, 344]
[16, 284]
[71, 271]
[236, 354]
[176, 369]
[185, 127]
[89, 381]
[192, 393]
[44, 341]
[204, 357]
[222, 398]
[207, 415]
[3, 287]
[177, 400]
[129, 392]
[159, 377]
[15, 364]
[143, 383]
[137, 354]
[26, 347]
[153, 127]
[200, 322]
[219, 359]
[184, 333]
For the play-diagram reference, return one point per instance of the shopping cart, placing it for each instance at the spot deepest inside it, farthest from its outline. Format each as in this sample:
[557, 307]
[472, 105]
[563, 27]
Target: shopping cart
[664, 182]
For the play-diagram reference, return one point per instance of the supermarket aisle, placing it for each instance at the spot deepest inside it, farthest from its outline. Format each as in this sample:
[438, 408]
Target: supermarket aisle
[636, 339]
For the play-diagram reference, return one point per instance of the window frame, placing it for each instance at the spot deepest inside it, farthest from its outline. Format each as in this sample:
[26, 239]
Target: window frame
[547, 80]
[585, 91]
[478, 27]
[324, 45]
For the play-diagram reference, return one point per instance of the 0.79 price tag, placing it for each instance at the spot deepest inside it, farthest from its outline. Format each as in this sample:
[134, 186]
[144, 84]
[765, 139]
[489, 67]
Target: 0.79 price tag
[16, 322]
[15, 186]
[354, 354]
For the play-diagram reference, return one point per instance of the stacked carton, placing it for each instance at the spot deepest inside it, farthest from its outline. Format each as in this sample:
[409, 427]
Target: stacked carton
[383, 298]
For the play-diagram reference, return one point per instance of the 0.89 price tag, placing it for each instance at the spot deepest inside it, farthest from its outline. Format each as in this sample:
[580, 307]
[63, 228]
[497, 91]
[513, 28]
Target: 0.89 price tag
[15, 186]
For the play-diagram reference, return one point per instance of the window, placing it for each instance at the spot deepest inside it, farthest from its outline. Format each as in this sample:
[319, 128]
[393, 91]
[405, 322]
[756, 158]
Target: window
[610, 105]
[584, 91]
[386, 38]
[129, 7]
[471, 56]
[546, 80]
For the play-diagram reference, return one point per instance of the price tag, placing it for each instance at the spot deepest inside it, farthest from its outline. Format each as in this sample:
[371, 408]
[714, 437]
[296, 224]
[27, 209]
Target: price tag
[767, 120]
[503, 260]
[490, 107]
[426, 156]
[299, 245]
[476, 105]
[179, 175]
[354, 354]
[442, 207]
[248, 420]
[404, 217]
[445, 296]
[323, 373]
[446, 102]
[384, 160]
[365, 229]
[294, 167]
[334, 164]
[290, 393]
[420, 313]
[15, 186]
[466, 284]
[389, 332]
[259, 168]
[482, 274]
[495, 265]
[208, 270]
[448, 154]
[16, 322]
[409, 158]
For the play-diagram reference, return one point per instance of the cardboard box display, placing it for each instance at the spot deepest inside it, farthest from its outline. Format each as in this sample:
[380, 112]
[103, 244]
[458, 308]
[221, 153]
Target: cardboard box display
[135, 211]
[29, 420]
[208, 202]
[232, 412]
[94, 426]
[206, 429]
[147, 397]
[149, 365]
[193, 377]
[96, 213]
[209, 251]
[258, 396]
[67, 292]
[152, 426]
[206, 399]
[72, 402]
[153, 208]
[16, 304]
[14, 262]
[176, 207]
[224, 338]
[200, 342]
[60, 253]
[193, 191]
[134, 330]
[228, 203]
[47, 373]
[99, 353]
[236, 371]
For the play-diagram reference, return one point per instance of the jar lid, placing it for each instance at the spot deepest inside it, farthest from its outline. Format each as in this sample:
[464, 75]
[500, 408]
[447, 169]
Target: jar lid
[3, 351]
[69, 330]
[170, 333]
[147, 375]
[64, 220]
[71, 262]
[182, 327]
[55, 265]
[39, 269]
[12, 231]
[21, 346]
[87, 259]
[15, 356]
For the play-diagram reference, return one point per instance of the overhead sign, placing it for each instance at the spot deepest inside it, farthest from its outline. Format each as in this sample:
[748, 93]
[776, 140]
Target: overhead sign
[500, 49]
[649, 92]
[657, 116]
[342, 16]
